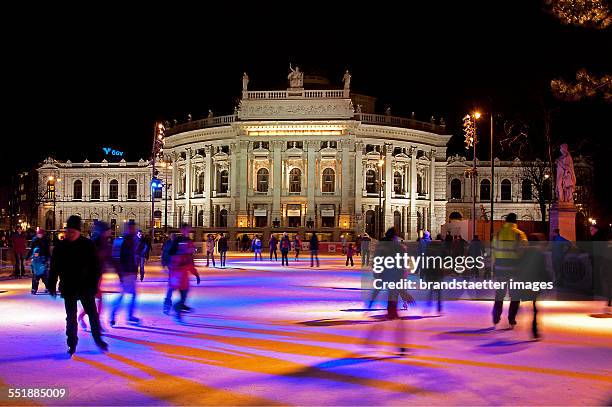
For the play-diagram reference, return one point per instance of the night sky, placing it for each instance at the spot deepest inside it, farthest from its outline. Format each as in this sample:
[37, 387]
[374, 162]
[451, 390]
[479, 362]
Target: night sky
[79, 80]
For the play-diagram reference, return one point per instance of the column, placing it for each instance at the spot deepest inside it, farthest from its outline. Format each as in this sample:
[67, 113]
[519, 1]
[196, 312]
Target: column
[359, 185]
[432, 190]
[346, 176]
[277, 182]
[311, 145]
[209, 172]
[186, 214]
[172, 194]
[413, 193]
[244, 183]
[233, 174]
[388, 214]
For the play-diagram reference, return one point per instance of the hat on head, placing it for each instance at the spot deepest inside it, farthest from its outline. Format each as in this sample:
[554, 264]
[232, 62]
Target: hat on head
[100, 227]
[74, 222]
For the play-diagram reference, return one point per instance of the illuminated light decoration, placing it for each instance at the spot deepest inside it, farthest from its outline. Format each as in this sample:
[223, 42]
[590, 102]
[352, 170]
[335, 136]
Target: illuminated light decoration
[321, 130]
[585, 86]
[583, 13]
[469, 131]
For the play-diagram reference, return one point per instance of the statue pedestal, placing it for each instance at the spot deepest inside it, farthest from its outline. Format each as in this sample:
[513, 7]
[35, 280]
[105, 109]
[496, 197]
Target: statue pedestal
[563, 217]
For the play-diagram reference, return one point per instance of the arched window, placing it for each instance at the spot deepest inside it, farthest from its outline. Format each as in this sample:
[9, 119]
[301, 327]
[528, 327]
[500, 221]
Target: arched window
[526, 190]
[456, 189]
[397, 183]
[295, 180]
[223, 218]
[485, 190]
[201, 181]
[223, 184]
[371, 182]
[455, 216]
[95, 189]
[77, 190]
[329, 180]
[263, 176]
[132, 189]
[506, 190]
[113, 190]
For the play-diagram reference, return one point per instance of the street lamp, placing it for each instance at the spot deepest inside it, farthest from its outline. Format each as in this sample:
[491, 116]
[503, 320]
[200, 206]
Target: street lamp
[167, 166]
[381, 163]
[52, 181]
[471, 139]
[157, 149]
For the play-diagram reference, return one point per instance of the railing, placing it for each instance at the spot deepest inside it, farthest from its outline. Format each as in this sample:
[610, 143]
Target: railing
[202, 123]
[297, 93]
[382, 119]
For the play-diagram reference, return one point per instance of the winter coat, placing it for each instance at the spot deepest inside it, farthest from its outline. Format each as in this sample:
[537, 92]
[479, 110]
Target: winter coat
[285, 244]
[222, 245]
[273, 243]
[19, 243]
[314, 243]
[76, 265]
[181, 264]
[210, 246]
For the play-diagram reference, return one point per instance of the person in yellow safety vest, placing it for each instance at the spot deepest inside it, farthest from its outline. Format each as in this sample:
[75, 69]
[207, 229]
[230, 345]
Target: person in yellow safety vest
[506, 246]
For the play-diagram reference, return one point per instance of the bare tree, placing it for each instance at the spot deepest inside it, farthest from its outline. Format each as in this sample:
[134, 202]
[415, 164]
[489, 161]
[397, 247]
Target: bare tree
[537, 173]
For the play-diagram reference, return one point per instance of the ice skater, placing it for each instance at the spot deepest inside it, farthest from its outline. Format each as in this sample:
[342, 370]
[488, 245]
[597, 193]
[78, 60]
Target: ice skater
[127, 270]
[181, 266]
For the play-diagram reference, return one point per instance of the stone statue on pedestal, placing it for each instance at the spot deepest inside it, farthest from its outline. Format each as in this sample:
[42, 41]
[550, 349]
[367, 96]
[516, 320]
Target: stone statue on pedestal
[347, 80]
[245, 82]
[566, 178]
[296, 77]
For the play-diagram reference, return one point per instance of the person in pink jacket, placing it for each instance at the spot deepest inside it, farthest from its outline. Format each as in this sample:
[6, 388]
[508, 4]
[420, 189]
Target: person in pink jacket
[181, 267]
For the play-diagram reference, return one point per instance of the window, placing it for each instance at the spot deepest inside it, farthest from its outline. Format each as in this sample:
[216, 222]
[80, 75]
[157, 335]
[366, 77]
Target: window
[201, 218]
[223, 186]
[397, 183]
[420, 189]
[397, 221]
[157, 194]
[455, 189]
[295, 144]
[95, 190]
[371, 182]
[295, 180]
[506, 190]
[485, 190]
[526, 190]
[132, 189]
[113, 190]
[77, 190]
[329, 144]
[50, 190]
[201, 181]
[329, 180]
[262, 179]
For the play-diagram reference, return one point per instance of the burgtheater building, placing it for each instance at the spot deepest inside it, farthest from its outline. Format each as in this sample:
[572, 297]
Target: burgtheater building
[308, 160]
[312, 157]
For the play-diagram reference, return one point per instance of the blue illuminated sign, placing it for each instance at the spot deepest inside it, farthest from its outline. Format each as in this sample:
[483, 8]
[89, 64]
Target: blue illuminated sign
[111, 151]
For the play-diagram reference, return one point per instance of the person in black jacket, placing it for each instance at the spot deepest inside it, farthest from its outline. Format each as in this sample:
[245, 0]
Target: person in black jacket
[75, 263]
[128, 270]
[314, 249]
[222, 248]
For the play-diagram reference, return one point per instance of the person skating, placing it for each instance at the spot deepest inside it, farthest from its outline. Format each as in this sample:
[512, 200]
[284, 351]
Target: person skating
[365, 249]
[210, 250]
[256, 247]
[285, 246]
[40, 253]
[507, 243]
[297, 246]
[349, 254]
[18, 242]
[127, 270]
[100, 237]
[142, 252]
[273, 247]
[181, 266]
[75, 263]
[314, 249]
[222, 248]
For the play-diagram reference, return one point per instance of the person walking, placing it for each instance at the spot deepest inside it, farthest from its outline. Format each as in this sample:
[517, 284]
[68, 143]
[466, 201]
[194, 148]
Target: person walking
[127, 270]
[349, 254]
[314, 249]
[506, 246]
[142, 252]
[181, 266]
[222, 246]
[256, 247]
[210, 250]
[40, 253]
[273, 247]
[533, 270]
[285, 246]
[100, 236]
[297, 246]
[75, 263]
[18, 241]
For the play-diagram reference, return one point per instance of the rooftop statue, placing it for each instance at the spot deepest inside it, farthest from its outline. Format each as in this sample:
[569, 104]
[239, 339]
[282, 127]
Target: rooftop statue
[245, 82]
[347, 80]
[296, 77]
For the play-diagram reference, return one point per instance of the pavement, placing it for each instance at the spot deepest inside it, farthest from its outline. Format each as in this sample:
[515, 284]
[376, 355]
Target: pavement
[262, 334]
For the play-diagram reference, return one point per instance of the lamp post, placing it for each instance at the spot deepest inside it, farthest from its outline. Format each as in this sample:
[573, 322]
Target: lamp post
[53, 181]
[491, 226]
[381, 163]
[471, 139]
[158, 147]
[167, 166]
